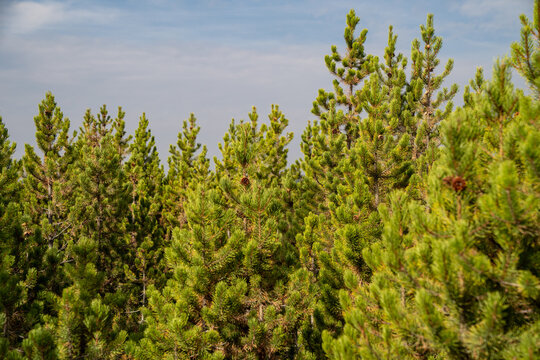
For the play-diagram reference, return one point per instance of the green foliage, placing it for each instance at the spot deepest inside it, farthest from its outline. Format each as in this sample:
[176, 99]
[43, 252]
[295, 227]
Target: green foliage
[9, 168]
[45, 178]
[13, 271]
[144, 229]
[199, 257]
[350, 175]
[426, 97]
[97, 298]
[349, 71]
[47, 192]
[187, 167]
[40, 345]
[407, 230]
[458, 278]
[227, 297]
[526, 53]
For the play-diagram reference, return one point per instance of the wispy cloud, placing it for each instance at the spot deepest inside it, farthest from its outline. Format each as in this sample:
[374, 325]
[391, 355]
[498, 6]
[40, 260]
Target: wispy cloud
[487, 7]
[214, 58]
[165, 81]
[492, 14]
[29, 16]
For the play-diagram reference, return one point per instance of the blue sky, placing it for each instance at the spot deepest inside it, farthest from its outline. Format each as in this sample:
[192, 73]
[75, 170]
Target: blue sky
[214, 58]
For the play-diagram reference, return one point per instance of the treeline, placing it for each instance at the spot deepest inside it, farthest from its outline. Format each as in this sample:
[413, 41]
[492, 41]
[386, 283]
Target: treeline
[408, 229]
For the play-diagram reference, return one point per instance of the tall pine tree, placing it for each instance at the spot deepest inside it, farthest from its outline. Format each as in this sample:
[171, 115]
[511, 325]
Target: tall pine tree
[13, 271]
[188, 165]
[144, 227]
[458, 278]
[47, 191]
[91, 320]
[227, 297]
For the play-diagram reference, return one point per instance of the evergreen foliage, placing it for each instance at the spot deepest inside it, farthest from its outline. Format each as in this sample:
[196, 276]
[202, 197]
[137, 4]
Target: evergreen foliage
[47, 193]
[144, 224]
[91, 318]
[408, 229]
[350, 175]
[458, 279]
[46, 187]
[526, 53]
[349, 70]
[230, 264]
[13, 272]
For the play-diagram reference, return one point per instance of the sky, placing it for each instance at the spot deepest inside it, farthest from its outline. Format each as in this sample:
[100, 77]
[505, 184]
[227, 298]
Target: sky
[214, 58]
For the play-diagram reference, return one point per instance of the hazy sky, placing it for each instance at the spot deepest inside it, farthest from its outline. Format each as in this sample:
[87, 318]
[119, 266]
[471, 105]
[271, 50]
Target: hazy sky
[214, 58]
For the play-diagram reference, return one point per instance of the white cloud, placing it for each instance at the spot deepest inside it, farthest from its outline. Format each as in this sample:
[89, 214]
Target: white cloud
[498, 14]
[165, 81]
[29, 16]
[485, 7]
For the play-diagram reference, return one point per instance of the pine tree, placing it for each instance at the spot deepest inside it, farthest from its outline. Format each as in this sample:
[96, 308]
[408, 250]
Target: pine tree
[199, 256]
[46, 178]
[351, 175]
[227, 296]
[91, 319]
[350, 70]
[40, 344]
[254, 159]
[102, 192]
[407, 230]
[426, 97]
[458, 278]
[187, 167]
[526, 53]
[13, 273]
[46, 193]
[21, 305]
[144, 228]
[329, 178]
[9, 189]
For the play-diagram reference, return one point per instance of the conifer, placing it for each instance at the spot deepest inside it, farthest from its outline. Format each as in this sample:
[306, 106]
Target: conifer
[251, 172]
[526, 53]
[144, 226]
[9, 189]
[40, 344]
[349, 70]
[328, 176]
[230, 264]
[90, 320]
[200, 256]
[458, 278]
[408, 230]
[46, 179]
[360, 175]
[426, 97]
[188, 166]
[13, 273]
[46, 192]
